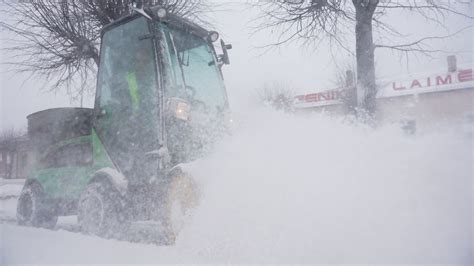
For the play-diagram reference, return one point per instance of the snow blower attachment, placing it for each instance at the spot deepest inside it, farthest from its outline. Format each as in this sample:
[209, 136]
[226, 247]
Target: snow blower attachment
[160, 102]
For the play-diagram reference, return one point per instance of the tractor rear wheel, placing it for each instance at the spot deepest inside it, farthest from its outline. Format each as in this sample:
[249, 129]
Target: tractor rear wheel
[181, 198]
[100, 212]
[32, 209]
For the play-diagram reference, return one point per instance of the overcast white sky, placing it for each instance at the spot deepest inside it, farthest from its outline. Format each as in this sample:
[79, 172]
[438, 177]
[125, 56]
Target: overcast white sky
[301, 68]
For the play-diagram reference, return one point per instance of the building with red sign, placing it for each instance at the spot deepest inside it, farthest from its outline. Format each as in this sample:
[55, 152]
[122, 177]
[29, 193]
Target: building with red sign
[427, 100]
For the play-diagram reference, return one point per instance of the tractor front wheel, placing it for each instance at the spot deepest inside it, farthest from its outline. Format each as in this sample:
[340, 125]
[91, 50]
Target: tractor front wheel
[100, 212]
[181, 198]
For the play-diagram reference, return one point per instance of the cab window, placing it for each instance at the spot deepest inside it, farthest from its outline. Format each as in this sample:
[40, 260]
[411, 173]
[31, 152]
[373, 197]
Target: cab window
[71, 155]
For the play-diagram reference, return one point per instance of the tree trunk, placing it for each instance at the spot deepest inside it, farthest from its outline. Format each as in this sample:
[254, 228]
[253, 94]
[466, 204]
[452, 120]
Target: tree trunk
[366, 89]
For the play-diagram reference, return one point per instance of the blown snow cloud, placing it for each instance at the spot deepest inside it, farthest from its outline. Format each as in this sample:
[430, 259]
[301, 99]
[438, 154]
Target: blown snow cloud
[311, 189]
[304, 189]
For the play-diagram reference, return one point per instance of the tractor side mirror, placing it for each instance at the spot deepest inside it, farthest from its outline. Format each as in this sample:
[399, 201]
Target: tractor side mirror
[224, 57]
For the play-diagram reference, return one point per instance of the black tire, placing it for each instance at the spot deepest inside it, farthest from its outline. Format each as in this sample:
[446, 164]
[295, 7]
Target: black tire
[32, 209]
[180, 200]
[100, 211]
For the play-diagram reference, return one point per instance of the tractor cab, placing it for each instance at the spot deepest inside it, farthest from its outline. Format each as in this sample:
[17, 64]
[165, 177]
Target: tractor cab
[160, 91]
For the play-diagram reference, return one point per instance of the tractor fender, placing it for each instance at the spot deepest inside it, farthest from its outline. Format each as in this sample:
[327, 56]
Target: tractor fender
[179, 169]
[32, 182]
[114, 177]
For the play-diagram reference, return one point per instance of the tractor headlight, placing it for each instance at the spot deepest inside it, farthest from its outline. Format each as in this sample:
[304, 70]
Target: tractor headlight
[161, 12]
[178, 108]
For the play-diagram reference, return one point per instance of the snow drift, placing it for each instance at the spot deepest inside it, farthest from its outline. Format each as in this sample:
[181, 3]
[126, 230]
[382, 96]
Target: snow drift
[306, 189]
[311, 189]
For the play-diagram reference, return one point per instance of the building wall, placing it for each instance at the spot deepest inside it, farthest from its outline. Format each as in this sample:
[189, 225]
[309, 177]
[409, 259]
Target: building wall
[424, 101]
[429, 110]
[19, 162]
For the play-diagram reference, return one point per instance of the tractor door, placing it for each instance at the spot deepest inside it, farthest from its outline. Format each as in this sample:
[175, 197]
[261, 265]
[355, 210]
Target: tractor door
[127, 103]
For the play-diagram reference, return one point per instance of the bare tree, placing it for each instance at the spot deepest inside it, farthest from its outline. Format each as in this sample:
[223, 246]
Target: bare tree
[311, 21]
[59, 39]
[277, 95]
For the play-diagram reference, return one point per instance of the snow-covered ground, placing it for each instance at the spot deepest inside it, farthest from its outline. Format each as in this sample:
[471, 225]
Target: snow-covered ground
[294, 189]
[10, 189]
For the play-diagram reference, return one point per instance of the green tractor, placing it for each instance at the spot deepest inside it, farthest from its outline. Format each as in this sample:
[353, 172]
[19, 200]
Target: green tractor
[160, 102]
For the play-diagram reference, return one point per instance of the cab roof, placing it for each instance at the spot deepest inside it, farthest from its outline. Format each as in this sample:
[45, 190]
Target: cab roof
[172, 20]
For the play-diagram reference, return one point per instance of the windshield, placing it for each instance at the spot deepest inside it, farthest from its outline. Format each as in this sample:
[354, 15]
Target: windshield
[192, 70]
